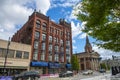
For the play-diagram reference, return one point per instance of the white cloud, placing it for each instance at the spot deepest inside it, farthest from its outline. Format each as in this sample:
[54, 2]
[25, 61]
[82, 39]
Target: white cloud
[74, 47]
[16, 12]
[83, 35]
[105, 54]
[43, 5]
[64, 3]
[75, 29]
[73, 41]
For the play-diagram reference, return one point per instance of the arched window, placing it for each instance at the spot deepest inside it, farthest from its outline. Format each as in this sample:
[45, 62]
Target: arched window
[44, 26]
[38, 23]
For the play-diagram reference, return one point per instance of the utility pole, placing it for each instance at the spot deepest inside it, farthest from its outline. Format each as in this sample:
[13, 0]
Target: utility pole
[6, 55]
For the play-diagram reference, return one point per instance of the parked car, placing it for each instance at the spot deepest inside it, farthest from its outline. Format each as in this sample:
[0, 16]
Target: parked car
[102, 70]
[66, 74]
[32, 75]
[87, 72]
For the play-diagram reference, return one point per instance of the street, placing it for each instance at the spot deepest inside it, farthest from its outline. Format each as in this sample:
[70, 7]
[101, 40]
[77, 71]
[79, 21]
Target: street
[94, 76]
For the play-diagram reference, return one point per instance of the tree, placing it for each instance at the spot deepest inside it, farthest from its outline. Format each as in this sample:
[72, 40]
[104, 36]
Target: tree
[102, 18]
[103, 66]
[75, 63]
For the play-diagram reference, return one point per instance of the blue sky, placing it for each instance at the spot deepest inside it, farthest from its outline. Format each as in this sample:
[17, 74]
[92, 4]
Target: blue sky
[14, 13]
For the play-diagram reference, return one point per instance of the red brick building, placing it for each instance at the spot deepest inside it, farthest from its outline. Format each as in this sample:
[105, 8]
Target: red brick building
[51, 43]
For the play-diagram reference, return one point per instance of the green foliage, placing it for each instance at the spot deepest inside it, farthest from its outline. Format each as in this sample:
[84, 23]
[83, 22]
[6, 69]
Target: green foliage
[103, 66]
[75, 63]
[102, 19]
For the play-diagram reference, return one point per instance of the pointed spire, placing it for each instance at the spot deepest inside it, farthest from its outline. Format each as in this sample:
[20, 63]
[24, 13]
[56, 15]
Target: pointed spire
[87, 40]
[88, 47]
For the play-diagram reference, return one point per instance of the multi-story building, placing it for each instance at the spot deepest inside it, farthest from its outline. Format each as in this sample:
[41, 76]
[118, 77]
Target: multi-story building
[18, 57]
[51, 43]
[88, 60]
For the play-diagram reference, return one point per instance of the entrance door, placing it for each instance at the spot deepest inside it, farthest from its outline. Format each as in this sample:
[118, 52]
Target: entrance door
[82, 67]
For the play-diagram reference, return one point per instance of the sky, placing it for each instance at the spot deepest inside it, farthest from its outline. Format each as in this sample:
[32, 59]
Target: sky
[14, 13]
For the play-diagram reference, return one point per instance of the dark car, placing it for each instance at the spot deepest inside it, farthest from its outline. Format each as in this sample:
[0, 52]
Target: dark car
[102, 70]
[32, 75]
[66, 74]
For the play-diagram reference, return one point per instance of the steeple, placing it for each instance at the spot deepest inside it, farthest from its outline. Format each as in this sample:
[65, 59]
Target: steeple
[88, 47]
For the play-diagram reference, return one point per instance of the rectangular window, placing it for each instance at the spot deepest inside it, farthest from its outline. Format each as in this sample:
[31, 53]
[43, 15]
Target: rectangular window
[18, 54]
[26, 55]
[42, 56]
[36, 44]
[50, 38]
[56, 57]
[50, 57]
[50, 47]
[38, 23]
[68, 58]
[44, 26]
[35, 56]
[43, 46]
[62, 59]
[11, 54]
[56, 48]
[43, 37]
[4, 52]
[37, 35]
[61, 42]
[1, 52]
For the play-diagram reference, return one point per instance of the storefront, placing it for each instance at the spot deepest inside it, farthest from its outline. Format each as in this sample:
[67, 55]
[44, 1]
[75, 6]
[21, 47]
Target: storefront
[68, 66]
[39, 66]
[53, 68]
[13, 66]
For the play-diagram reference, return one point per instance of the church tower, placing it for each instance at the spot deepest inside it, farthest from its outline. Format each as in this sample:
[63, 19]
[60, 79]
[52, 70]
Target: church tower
[88, 47]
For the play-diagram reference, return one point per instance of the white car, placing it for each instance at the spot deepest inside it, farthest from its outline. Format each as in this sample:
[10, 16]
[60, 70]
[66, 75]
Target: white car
[87, 72]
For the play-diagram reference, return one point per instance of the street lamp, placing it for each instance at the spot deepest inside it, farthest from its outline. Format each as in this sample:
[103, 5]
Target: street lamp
[6, 55]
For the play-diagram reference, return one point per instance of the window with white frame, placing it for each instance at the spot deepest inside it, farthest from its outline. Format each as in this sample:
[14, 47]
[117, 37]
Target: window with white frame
[56, 48]
[50, 38]
[36, 44]
[44, 26]
[43, 37]
[68, 59]
[37, 35]
[43, 46]
[50, 47]
[35, 56]
[50, 57]
[38, 23]
[42, 56]
[56, 57]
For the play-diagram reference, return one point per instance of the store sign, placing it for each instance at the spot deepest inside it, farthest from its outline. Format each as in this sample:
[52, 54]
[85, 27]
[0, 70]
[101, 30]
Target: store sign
[54, 65]
[38, 64]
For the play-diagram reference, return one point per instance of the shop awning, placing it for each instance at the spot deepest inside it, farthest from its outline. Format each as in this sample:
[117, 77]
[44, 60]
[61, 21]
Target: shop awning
[54, 65]
[38, 64]
[68, 66]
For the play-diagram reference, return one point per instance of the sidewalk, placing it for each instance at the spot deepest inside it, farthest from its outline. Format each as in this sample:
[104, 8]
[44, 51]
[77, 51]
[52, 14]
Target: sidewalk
[101, 77]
